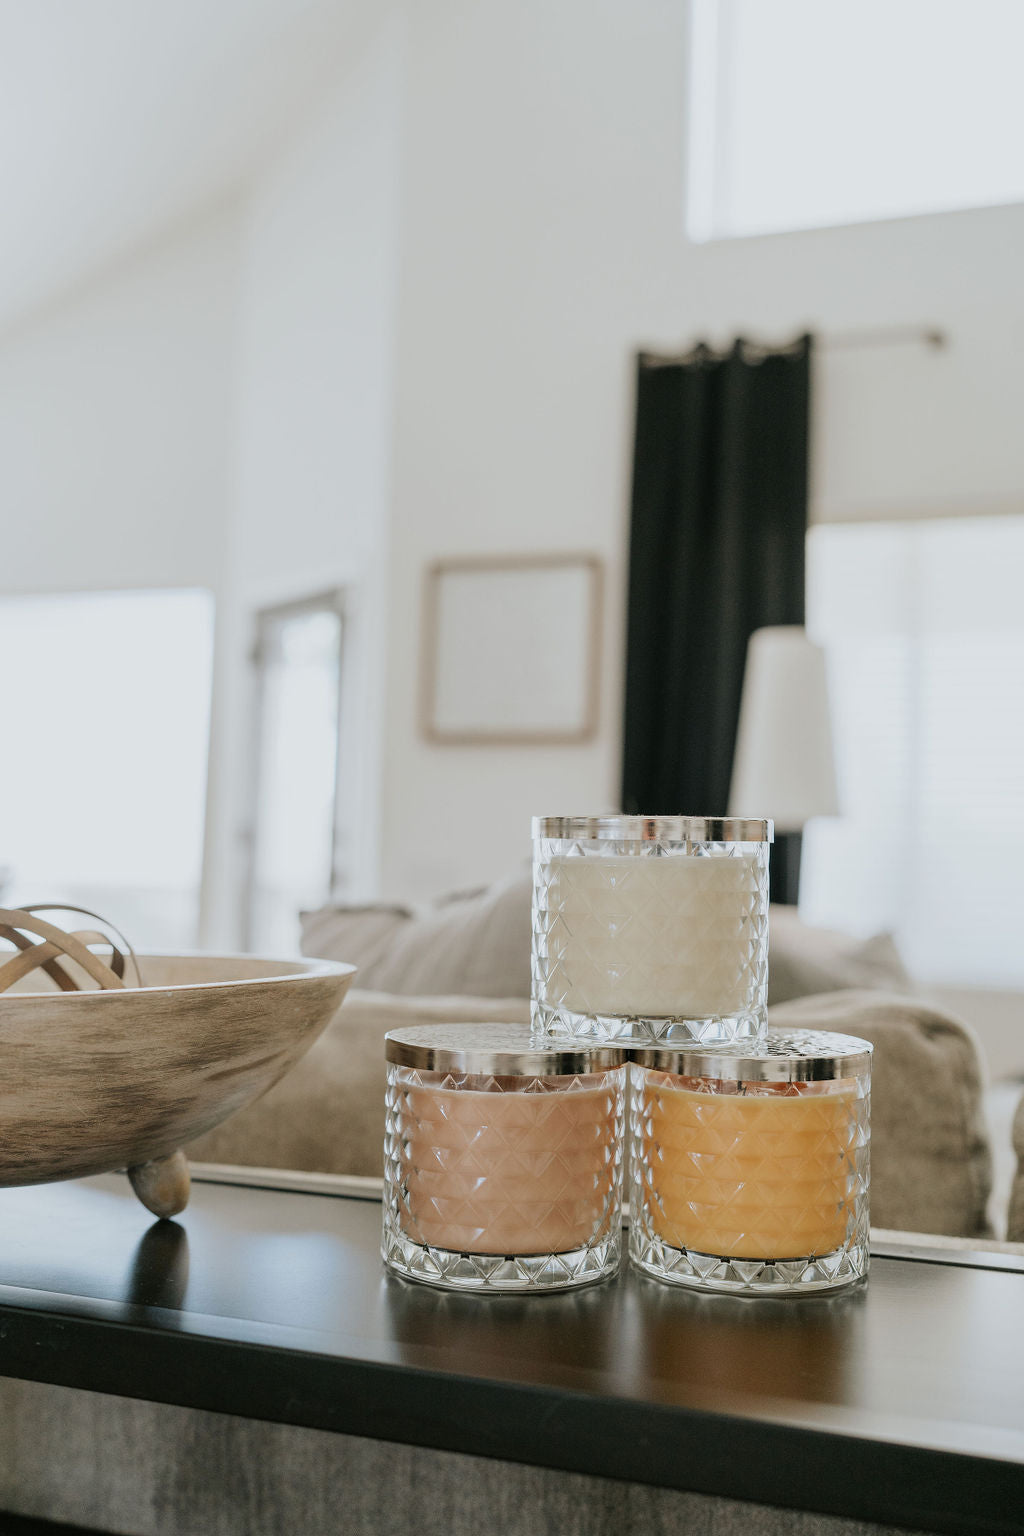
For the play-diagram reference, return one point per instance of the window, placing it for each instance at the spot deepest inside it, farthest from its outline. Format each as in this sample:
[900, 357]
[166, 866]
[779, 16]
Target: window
[923, 628]
[103, 773]
[804, 114]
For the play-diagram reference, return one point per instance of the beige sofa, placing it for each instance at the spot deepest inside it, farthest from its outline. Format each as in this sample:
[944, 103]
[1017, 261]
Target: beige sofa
[467, 958]
[931, 1162]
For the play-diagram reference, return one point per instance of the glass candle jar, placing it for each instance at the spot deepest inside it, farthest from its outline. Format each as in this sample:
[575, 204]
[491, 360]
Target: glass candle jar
[502, 1158]
[650, 928]
[750, 1163]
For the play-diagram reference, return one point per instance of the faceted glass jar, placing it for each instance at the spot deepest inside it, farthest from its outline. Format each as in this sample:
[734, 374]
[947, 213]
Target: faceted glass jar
[502, 1160]
[650, 928]
[750, 1166]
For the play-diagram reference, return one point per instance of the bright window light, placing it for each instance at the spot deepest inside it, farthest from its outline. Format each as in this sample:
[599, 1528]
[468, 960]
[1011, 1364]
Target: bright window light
[924, 637]
[103, 775]
[805, 114]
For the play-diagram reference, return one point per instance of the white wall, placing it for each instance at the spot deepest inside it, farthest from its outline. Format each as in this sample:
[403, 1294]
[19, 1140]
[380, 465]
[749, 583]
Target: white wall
[542, 242]
[312, 438]
[114, 414]
[528, 246]
[316, 340]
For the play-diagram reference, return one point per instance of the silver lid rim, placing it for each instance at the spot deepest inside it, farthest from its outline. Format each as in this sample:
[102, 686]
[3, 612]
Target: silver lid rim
[511, 1052]
[790, 1056]
[649, 829]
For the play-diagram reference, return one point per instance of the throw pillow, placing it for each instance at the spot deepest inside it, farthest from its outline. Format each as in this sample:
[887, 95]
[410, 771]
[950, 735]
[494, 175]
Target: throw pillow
[804, 961]
[476, 943]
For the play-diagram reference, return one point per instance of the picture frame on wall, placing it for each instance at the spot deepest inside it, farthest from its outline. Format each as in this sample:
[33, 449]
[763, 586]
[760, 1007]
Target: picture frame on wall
[511, 649]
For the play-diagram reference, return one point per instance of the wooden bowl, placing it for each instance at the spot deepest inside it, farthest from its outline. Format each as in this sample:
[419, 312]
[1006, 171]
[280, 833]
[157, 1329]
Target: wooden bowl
[103, 1080]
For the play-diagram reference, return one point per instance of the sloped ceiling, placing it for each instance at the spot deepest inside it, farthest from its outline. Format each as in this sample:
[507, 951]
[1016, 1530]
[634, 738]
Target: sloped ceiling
[118, 118]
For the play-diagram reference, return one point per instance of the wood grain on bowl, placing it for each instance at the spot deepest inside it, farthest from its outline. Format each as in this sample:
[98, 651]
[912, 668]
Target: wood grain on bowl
[94, 1081]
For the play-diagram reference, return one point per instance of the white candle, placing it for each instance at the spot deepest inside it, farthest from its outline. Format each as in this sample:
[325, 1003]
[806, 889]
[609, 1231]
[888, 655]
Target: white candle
[653, 936]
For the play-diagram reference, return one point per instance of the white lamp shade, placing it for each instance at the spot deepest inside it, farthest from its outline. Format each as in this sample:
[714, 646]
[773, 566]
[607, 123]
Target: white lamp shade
[783, 766]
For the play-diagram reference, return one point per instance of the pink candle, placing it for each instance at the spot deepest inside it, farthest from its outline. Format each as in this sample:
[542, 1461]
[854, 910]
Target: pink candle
[509, 1172]
[502, 1158]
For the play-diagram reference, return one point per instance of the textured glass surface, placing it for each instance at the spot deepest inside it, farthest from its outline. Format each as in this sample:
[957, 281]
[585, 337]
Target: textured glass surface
[751, 1187]
[641, 941]
[503, 1183]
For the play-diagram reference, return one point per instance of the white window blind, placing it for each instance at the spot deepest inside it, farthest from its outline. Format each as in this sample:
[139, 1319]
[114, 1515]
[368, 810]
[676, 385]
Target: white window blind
[923, 626]
[804, 114]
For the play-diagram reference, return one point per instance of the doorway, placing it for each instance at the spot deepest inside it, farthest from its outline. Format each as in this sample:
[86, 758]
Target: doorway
[296, 860]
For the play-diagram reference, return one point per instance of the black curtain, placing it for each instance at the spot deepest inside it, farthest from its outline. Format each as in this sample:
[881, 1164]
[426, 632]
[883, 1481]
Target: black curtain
[719, 517]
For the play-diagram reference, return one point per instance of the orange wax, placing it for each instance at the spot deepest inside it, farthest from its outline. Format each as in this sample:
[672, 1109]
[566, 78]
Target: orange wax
[509, 1173]
[765, 1175]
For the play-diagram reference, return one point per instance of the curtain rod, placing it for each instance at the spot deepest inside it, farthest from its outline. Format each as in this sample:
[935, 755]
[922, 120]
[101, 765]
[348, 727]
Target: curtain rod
[931, 336]
[887, 336]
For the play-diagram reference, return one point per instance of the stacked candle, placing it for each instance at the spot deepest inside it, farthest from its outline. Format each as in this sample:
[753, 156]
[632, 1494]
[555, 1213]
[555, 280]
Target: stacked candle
[749, 1149]
[502, 1158]
[750, 1163]
[650, 927]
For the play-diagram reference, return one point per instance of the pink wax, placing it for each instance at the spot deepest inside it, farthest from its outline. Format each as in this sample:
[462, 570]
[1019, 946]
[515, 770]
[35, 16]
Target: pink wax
[510, 1173]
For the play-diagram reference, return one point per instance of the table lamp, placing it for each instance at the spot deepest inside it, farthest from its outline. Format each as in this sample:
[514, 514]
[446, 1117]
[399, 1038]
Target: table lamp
[783, 765]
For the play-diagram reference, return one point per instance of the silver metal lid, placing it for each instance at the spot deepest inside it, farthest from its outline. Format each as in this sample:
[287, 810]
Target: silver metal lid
[784, 1056]
[650, 829]
[499, 1050]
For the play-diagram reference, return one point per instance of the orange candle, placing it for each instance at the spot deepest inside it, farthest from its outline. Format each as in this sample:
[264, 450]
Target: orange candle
[762, 1175]
[751, 1163]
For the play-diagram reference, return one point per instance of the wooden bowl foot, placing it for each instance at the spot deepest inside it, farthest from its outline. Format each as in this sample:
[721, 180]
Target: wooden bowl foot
[162, 1185]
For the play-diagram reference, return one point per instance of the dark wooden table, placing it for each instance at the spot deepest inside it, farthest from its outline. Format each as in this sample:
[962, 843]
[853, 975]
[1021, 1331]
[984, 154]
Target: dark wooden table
[901, 1402]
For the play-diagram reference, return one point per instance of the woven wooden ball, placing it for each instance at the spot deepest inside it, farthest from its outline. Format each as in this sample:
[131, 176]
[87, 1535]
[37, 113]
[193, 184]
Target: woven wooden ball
[43, 946]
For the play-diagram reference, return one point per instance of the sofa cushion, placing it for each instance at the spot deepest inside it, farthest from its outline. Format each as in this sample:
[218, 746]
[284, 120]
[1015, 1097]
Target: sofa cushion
[479, 943]
[931, 1163]
[327, 1114]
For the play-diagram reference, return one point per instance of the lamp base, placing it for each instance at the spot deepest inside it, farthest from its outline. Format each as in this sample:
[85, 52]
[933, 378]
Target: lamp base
[784, 868]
